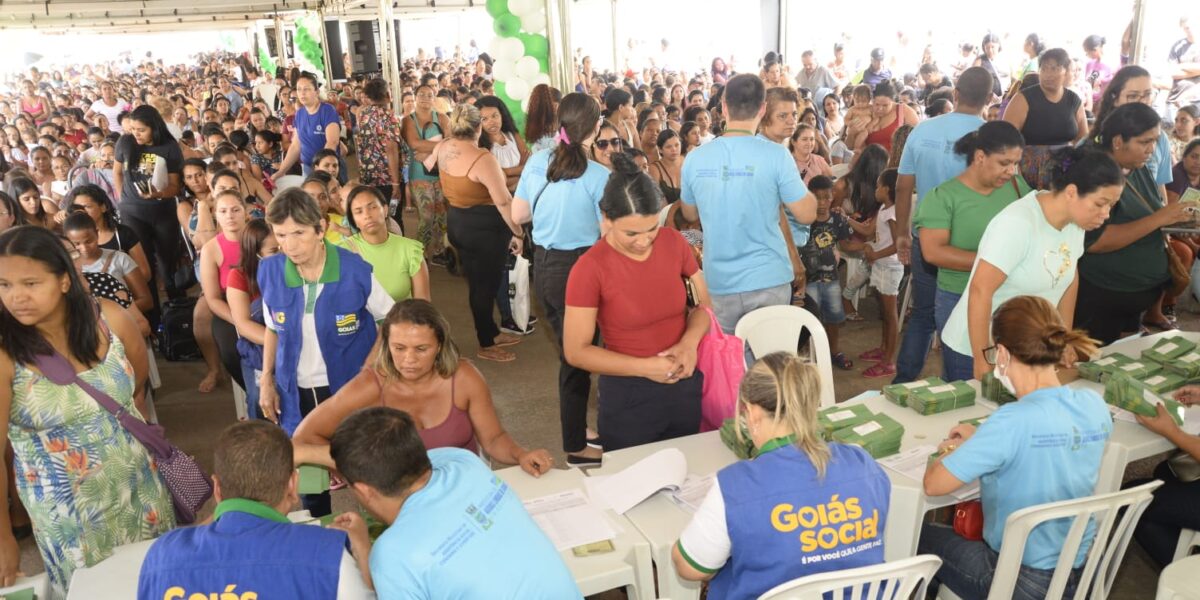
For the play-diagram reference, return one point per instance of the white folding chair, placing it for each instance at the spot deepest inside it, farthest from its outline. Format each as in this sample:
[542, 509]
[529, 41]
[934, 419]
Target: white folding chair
[662, 215]
[777, 329]
[1188, 540]
[898, 579]
[1115, 516]
[288, 181]
[840, 170]
[1180, 580]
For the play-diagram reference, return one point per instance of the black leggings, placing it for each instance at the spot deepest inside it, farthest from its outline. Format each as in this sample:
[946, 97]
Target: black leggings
[636, 410]
[157, 229]
[225, 335]
[1107, 315]
[481, 238]
[1172, 510]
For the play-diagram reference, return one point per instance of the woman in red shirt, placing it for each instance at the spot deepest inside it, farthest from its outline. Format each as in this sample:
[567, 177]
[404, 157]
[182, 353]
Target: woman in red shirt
[631, 284]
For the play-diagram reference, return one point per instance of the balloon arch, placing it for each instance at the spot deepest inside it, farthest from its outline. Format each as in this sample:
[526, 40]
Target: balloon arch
[520, 52]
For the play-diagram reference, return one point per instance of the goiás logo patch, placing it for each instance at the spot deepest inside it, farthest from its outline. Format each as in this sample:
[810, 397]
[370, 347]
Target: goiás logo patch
[346, 324]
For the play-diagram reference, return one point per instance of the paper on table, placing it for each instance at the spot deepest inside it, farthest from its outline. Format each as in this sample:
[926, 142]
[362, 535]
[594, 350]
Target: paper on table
[691, 494]
[967, 492]
[569, 520]
[1120, 414]
[665, 469]
[1191, 421]
[912, 462]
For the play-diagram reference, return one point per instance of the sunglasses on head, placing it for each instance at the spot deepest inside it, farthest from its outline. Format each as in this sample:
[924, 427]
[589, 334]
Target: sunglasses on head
[604, 144]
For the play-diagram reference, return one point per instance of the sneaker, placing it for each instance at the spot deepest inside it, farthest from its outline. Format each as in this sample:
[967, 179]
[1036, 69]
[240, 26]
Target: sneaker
[874, 354]
[532, 320]
[840, 361]
[880, 370]
[440, 260]
[509, 326]
[594, 442]
[583, 462]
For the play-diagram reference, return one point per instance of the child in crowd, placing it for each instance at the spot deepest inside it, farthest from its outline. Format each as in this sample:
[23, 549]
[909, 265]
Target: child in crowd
[820, 263]
[886, 273]
[858, 118]
[59, 186]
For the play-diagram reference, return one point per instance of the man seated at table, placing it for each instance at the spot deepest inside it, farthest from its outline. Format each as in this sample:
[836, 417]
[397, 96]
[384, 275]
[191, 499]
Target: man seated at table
[802, 506]
[250, 546]
[455, 530]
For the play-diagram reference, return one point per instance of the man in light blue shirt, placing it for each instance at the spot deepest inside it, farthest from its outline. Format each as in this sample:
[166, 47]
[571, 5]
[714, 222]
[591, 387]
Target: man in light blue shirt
[455, 530]
[927, 162]
[736, 186]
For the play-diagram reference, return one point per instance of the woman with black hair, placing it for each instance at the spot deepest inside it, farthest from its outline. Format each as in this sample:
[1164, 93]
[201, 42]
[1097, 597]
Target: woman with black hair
[1124, 272]
[76, 467]
[10, 213]
[1132, 84]
[502, 139]
[34, 209]
[631, 285]
[888, 115]
[1048, 114]
[560, 192]
[988, 50]
[618, 110]
[93, 200]
[147, 169]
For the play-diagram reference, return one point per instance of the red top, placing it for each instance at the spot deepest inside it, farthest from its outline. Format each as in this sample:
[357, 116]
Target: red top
[642, 305]
[883, 137]
[237, 281]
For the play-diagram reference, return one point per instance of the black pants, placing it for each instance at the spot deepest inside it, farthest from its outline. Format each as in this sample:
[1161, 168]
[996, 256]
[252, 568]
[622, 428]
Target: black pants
[318, 505]
[225, 335]
[550, 271]
[157, 228]
[481, 237]
[636, 410]
[1107, 315]
[1172, 510]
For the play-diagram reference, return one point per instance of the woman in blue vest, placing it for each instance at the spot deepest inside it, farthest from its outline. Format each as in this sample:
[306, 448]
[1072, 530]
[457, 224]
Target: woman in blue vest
[1046, 447]
[758, 528]
[321, 304]
[317, 126]
[560, 191]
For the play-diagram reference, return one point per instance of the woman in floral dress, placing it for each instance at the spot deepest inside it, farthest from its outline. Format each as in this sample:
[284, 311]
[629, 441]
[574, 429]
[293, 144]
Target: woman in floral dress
[88, 485]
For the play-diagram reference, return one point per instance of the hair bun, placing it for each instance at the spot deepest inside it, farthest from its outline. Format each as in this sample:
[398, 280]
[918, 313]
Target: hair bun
[624, 165]
[1055, 339]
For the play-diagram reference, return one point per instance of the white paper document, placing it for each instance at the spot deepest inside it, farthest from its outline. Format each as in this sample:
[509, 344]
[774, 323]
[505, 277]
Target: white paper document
[911, 463]
[569, 520]
[665, 469]
[691, 494]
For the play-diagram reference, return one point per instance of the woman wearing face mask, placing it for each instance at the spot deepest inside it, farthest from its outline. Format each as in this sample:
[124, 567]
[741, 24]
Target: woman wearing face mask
[1048, 114]
[747, 550]
[1031, 248]
[1124, 272]
[954, 215]
[1031, 340]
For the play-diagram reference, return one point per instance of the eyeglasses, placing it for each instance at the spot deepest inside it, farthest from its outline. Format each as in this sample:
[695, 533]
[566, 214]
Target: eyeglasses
[989, 354]
[1146, 97]
[604, 144]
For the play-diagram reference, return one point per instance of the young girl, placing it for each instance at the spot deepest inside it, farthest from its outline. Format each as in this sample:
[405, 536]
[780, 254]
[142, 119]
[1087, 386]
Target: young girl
[886, 273]
[35, 209]
[60, 166]
[264, 161]
[1187, 127]
[858, 117]
[317, 186]
[245, 306]
[80, 229]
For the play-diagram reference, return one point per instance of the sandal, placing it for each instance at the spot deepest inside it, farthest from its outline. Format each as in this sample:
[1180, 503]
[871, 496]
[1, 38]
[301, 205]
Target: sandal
[874, 354]
[496, 354]
[840, 361]
[1163, 325]
[880, 370]
[855, 317]
[507, 339]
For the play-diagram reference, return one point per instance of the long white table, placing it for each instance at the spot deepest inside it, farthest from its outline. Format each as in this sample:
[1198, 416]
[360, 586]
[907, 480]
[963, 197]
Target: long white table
[630, 559]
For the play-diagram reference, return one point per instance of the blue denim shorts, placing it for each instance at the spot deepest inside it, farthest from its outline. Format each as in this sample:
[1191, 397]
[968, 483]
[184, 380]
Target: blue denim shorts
[828, 296]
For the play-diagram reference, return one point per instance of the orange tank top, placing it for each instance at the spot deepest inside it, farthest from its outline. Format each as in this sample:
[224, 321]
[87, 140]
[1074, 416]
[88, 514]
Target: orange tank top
[461, 192]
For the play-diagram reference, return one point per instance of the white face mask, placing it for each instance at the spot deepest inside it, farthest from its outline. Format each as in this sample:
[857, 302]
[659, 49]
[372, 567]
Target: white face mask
[1002, 377]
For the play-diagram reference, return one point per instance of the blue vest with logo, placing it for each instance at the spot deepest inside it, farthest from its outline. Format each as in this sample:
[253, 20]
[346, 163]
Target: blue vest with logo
[345, 328]
[247, 553]
[785, 522]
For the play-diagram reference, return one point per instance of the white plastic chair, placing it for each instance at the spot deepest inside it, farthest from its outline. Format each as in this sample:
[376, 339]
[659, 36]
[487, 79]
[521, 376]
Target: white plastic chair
[898, 579]
[1188, 541]
[40, 584]
[1114, 529]
[840, 170]
[662, 215]
[777, 329]
[1180, 580]
[288, 181]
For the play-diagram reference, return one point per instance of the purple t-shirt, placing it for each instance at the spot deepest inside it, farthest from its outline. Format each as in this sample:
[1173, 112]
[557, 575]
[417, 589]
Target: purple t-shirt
[311, 130]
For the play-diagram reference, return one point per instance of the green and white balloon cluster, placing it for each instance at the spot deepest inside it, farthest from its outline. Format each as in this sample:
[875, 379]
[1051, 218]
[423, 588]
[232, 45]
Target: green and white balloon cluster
[520, 52]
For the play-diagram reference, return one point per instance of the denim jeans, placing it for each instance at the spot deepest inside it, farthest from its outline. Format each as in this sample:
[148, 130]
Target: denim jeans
[730, 308]
[827, 295]
[943, 304]
[250, 375]
[968, 567]
[918, 335]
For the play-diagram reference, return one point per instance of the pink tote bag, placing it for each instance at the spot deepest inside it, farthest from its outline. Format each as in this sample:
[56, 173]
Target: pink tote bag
[721, 357]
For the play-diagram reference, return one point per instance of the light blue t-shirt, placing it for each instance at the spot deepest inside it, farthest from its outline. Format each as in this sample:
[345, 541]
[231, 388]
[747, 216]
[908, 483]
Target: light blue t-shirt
[738, 184]
[929, 152]
[1160, 161]
[1037, 259]
[566, 213]
[467, 535]
[1046, 447]
[800, 231]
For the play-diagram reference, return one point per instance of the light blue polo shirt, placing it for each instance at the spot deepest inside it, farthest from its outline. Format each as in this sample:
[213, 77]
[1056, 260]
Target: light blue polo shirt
[1160, 162]
[1044, 448]
[929, 152]
[566, 213]
[738, 185]
[467, 535]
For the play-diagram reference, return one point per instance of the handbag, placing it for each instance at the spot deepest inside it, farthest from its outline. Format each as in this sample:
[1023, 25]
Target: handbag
[518, 291]
[1181, 274]
[190, 488]
[722, 359]
[1184, 467]
[968, 520]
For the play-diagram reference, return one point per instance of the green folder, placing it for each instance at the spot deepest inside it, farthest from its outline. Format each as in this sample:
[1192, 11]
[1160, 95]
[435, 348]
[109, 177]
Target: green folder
[880, 435]
[313, 480]
[1125, 392]
[994, 391]
[942, 398]
[1186, 366]
[840, 416]
[1098, 369]
[898, 393]
[1168, 349]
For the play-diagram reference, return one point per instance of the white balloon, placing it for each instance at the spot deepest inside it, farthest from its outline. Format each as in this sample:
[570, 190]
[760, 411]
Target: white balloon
[527, 68]
[510, 49]
[525, 104]
[503, 70]
[494, 46]
[523, 7]
[534, 22]
[517, 88]
[540, 79]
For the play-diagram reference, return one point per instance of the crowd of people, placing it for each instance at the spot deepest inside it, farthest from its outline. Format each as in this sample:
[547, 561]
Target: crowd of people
[1024, 222]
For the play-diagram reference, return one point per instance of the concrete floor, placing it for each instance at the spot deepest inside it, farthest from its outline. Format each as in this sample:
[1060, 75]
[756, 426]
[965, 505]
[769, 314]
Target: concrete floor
[525, 393]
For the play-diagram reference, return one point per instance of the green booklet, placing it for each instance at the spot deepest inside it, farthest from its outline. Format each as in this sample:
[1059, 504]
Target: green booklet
[992, 389]
[942, 398]
[880, 435]
[1139, 369]
[1125, 392]
[742, 448]
[1186, 366]
[313, 479]
[840, 416]
[1168, 349]
[1098, 369]
[898, 393]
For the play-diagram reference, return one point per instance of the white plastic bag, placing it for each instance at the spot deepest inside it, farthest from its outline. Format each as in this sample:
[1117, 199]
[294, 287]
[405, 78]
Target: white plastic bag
[518, 291]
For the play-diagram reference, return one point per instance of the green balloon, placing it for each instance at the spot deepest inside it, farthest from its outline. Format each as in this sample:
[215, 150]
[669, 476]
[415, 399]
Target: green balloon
[497, 8]
[536, 45]
[500, 90]
[507, 25]
[543, 64]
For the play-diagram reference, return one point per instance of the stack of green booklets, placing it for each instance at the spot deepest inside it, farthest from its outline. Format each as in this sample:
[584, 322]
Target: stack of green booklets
[976, 422]
[992, 390]
[1186, 366]
[898, 393]
[1139, 369]
[880, 435]
[842, 416]
[941, 398]
[313, 480]
[1164, 382]
[743, 448]
[1123, 391]
[1168, 349]
[1098, 369]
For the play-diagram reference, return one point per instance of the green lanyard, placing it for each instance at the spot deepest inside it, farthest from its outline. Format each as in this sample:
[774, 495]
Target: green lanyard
[777, 443]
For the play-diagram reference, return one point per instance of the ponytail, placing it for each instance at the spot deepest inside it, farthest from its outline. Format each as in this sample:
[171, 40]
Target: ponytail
[577, 116]
[1032, 330]
[790, 390]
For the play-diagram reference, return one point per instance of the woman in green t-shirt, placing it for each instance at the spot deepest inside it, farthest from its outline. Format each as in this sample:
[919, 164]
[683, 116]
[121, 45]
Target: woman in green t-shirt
[399, 262]
[1124, 271]
[953, 216]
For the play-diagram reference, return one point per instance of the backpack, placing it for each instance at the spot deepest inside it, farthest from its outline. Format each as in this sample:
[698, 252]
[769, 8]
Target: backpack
[175, 339]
